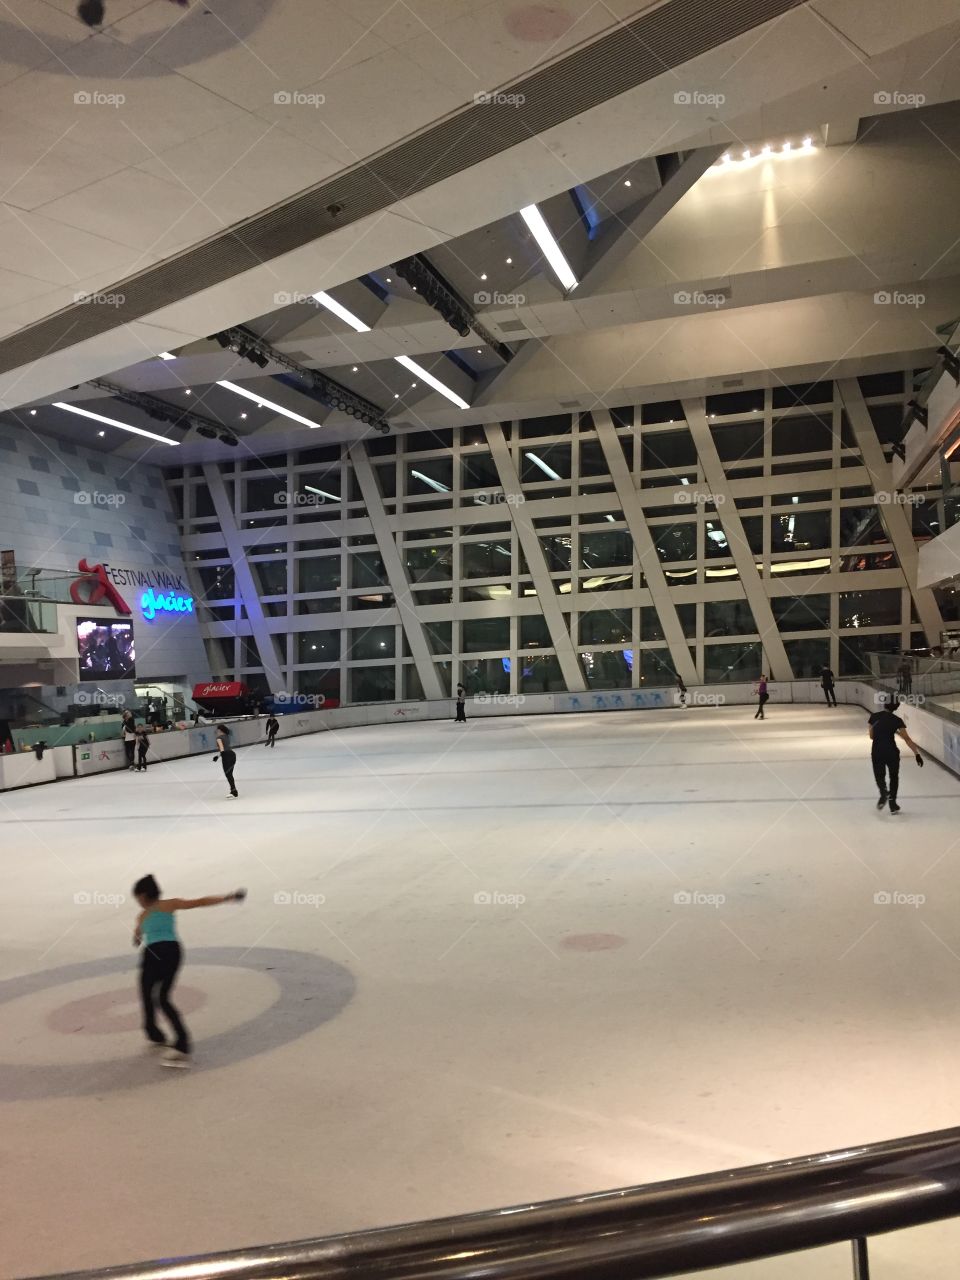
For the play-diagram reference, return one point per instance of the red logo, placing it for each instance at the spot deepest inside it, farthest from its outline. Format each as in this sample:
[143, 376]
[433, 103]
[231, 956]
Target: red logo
[98, 588]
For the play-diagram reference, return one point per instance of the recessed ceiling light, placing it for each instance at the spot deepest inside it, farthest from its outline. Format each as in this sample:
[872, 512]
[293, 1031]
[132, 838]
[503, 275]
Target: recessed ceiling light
[188, 392]
[260, 405]
[548, 246]
[340, 310]
[628, 183]
[746, 153]
[112, 422]
[354, 368]
[479, 351]
[101, 434]
[509, 262]
[389, 281]
[396, 395]
[33, 413]
[268, 404]
[243, 415]
[412, 385]
[483, 275]
[166, 355]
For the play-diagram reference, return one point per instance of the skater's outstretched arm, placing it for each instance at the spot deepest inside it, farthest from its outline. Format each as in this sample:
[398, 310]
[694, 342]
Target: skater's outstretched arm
[187, 904]
[902, 733]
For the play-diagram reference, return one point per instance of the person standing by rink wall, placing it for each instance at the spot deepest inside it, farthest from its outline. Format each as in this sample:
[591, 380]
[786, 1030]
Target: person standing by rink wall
[826, 684]
[227, 756]
[884, 729]
[129, 735]
[143, 746]
[273, 728]
[762, 696]
[461, 705]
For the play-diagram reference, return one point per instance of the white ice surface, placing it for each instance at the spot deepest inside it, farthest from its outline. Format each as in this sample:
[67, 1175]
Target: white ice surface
[482, 1061]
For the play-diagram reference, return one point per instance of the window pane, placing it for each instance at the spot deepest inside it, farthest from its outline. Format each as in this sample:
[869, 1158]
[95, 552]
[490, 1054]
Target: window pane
[656, 668]
[859, 526]
[217, 581]
[320, 574]
[430, 475]
[534, 633]
[486, 635]
[318, 646]
[737, 440]
[800, 531]
[731, 663]
[806, 434]
[439, 636]
[675, 541]
[605, 626]
[372, 684]
[556, 552]
[598, 550]
[557, 425]
[606, 670]
[366, 570]
[272, 575]
[808, 656]
[478, 471]
[484, 559]
[870, 608]
[371, 643]
[540, 674]
[728, 618]
[546, 462]
[868, 560]
[668, 450]
[485, 675]
[802, 613]
[854, 650]
[592, 460]
[429, 564]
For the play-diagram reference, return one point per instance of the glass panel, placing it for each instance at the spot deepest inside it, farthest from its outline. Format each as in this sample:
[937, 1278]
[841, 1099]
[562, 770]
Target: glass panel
[490, 591]
[811, 433]
[795, 499]
[556, 552]
[592, 459]
[371, 643]
[808, 656]
[557, 425]
[546, 462]
[266, 493]
[485, 675]
[318, 646]
[366, 570]
[444, 596]
[675, 541]
[925, 517]
[331, 605]
[728, 618]
[484, 559]
[439, 636]
[650, 627]
[429, 564]
[485, 635]
[868, 560]
[860, 526]
[430, 475]
[387, 479]
[606, 670]
[802, 393]
[656, 668]
[424, 441]
[272, 575]
[540, 674]
[534, 633]
[319, 574]
[613, 547]
[217, 581]
[605, 626]
[854, 650]
[372, 684]
[802, 613]
[871, 608]
[800, 531]
[738, 440]
[478, 471]
[667, 450]
[731, 663]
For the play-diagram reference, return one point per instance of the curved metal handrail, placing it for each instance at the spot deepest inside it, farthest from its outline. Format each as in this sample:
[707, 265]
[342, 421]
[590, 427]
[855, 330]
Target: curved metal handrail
[636, 1233]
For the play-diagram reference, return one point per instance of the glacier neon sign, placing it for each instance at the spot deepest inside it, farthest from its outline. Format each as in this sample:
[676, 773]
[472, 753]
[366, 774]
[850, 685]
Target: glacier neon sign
[152, 603]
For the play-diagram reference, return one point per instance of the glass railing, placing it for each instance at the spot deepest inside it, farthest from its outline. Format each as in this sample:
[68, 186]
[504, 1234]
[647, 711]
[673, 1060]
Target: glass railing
[634, 1233]
[21, 615]
[933, 683]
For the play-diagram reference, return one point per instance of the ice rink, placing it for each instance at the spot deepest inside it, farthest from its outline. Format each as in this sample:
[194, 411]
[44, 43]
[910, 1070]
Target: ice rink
[479, 964]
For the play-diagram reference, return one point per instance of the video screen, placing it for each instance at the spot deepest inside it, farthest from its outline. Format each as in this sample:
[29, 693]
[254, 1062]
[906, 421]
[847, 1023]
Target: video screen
[106, 649]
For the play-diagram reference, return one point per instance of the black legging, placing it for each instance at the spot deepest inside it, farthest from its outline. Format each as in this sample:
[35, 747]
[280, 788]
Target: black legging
[161, 960]
[829, 694]
[762, 701]
[129, 747]
[882, 762]
[228, 759]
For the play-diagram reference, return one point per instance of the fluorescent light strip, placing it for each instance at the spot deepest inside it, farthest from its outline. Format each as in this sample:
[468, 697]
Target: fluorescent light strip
[323, 493]
[267, 404]
[112, 422]
[340, 310]
[167, 355]
[431, 381]
[543, 466]
[548, 246]
[434, 484]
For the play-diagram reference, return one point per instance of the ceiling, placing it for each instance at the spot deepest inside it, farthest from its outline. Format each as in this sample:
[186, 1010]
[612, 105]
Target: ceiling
[692, 270]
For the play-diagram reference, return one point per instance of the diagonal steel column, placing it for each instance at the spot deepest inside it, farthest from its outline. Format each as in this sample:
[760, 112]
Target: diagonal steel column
[653, 573]
[536, 562]
[893, 514]
[743, 557]
[247, 587]
[396, 574]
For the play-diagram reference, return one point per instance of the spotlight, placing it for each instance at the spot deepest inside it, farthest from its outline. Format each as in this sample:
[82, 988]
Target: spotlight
[207, 432]
[226, 438]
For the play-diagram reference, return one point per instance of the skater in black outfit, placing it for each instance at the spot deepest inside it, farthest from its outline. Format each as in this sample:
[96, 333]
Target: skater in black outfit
[681, 692]
[762, 697]
[884, 729]
[227, 756]
[162, 955]
[273, 728]
[826, 684]
[461, 705]
[143, 746]
[129, 735]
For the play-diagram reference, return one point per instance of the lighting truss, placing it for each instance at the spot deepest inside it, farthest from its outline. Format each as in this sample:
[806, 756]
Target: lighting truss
[329, 392]
[162, 411]
[439, 294]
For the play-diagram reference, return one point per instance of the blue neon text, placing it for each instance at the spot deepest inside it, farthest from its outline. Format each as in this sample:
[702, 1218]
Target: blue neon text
[152, 604]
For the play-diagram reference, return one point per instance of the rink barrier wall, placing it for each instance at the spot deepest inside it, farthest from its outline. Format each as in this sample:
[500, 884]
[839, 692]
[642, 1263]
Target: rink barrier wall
[939, 738]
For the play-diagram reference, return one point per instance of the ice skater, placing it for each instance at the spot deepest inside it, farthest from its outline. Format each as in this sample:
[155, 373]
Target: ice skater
[884, 729]
[826, 684]
[461, 705]
[143, 746]
[227, 756]
[162, 955]
[129, 733]
[273, 728]
[762, 696]
[681, 692]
